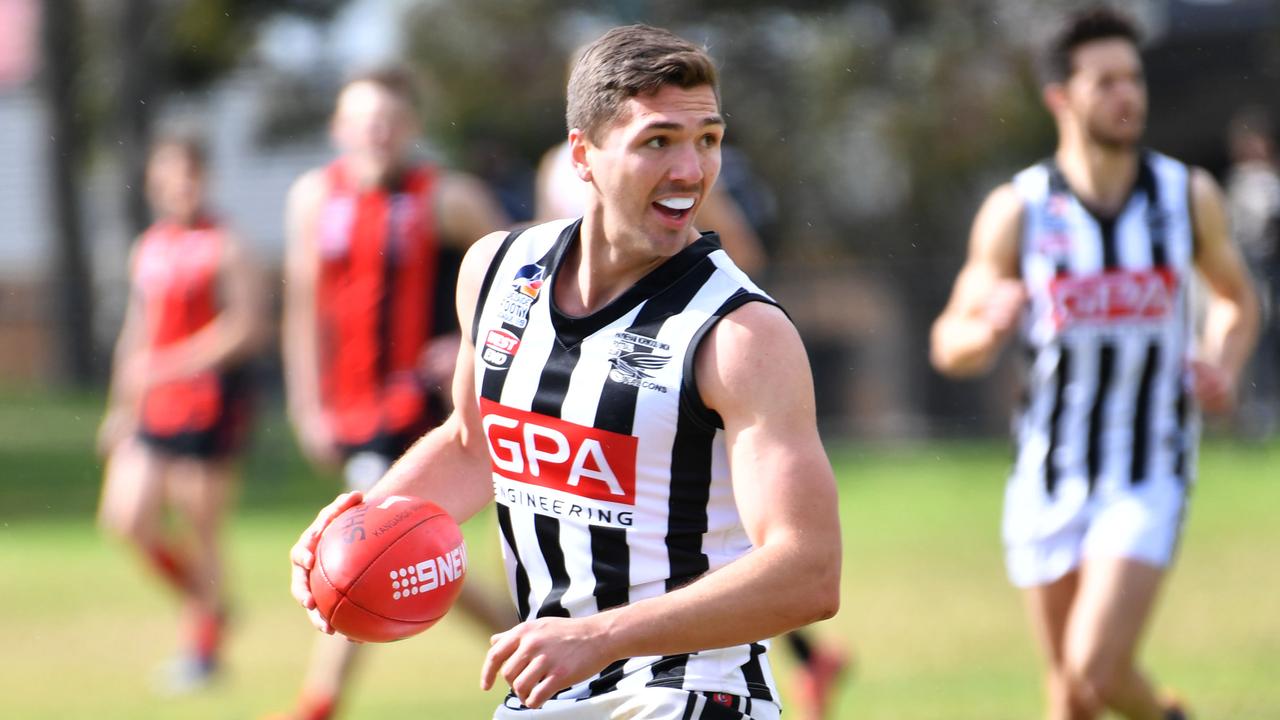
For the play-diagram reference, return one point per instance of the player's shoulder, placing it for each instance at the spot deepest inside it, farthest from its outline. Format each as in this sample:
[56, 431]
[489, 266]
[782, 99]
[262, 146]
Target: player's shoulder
[482, 252]
[1004, 205]
[754, 328]
[458, 186]
[310, 186]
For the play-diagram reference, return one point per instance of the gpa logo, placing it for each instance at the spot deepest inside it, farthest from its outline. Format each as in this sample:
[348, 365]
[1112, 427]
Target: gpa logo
[634, 357]
[548, 452]
[499, 346]
[1113, 298]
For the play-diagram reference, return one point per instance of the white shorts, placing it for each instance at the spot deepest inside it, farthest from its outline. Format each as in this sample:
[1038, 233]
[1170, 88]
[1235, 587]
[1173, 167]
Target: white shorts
[1047, 536]
[364, 469]
[652, 703]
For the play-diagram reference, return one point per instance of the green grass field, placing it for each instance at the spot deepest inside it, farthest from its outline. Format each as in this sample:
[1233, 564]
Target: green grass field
[937, 631]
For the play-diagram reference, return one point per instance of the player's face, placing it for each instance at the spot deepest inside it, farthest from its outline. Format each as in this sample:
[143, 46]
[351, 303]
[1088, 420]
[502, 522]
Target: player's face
[175, 184]
[1107, 93]
[372, 126]
[655, 165]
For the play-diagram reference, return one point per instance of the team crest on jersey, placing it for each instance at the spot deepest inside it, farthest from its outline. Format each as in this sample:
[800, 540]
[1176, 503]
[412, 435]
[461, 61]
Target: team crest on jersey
[499, 347]
[528, 280]
[632, 359]
[525, 288]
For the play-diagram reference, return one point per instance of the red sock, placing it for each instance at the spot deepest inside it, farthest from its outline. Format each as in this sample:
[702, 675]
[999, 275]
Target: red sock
[315, 707]
[206, 634]
[172, 568]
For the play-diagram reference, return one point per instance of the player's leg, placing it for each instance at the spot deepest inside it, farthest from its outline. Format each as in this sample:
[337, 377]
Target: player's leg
[1049, 607]
[819, 670]
[201, 491]
[1112, 605]
[333, 658]
[132, 506]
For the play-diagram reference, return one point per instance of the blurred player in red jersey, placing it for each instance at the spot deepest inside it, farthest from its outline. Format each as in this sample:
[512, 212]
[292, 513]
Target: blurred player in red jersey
[178, 409]
[374, 239]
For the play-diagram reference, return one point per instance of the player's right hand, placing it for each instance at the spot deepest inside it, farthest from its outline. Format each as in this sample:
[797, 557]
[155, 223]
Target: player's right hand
[1004, 305]
[117, 426]
[317, 441]
[303, 556]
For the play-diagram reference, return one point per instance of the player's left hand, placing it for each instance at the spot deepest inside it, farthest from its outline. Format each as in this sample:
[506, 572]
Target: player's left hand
[1214, 387]
[540, 657]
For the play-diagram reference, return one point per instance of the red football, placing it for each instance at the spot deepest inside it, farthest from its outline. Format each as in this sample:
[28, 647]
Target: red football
[388, 570]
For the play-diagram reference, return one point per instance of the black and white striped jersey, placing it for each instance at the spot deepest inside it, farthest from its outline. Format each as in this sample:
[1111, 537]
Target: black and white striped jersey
[1107, 331]
[611, 476]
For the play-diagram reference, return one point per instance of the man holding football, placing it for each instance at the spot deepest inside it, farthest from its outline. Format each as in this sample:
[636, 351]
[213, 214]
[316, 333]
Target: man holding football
[644, 416]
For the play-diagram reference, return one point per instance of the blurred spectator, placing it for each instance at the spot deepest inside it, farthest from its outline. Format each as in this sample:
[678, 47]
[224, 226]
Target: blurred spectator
[1253, 201]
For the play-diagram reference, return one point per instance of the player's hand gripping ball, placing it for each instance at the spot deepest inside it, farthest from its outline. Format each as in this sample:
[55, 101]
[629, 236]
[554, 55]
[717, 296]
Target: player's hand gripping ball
[388, 568]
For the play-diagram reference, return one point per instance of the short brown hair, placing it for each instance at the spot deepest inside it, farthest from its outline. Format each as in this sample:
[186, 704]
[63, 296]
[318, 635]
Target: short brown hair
[398, 80]
[190, 145]
[1093, 24]
[630, 61]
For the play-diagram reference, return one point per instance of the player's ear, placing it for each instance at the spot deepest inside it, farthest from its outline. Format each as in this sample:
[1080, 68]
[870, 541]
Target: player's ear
[1054, 96]
[578, 143]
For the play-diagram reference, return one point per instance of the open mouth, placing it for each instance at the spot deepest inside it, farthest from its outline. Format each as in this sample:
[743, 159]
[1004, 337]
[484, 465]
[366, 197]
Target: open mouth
[676, 208]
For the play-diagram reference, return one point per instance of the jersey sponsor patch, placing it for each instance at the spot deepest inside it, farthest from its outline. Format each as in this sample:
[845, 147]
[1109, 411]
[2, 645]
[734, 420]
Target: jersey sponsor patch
[1113, 298]
[525, 288]
[499, 347]
[633, 358]
[548, 452]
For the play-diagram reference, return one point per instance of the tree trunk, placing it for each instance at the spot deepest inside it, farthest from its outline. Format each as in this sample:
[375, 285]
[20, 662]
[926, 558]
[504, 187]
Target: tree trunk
[135, 107]
[70, 282]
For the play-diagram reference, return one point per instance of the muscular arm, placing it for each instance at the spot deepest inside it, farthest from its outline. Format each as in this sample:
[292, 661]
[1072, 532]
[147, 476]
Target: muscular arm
[785, 493]
[987, 297]
[300, 331]
[1231, 322]
[125, 390]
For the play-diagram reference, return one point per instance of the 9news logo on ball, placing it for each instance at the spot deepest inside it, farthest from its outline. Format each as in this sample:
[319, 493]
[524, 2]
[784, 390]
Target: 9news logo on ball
[388, 571]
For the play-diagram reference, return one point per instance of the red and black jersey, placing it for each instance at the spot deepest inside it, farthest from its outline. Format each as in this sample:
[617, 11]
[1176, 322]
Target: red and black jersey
[379, 255]
[175, 272]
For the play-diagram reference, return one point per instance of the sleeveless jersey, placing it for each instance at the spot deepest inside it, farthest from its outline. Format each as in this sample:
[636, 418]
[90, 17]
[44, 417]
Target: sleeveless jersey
[374, 299]
[175, 272]
[1107, 331]
[611, 476]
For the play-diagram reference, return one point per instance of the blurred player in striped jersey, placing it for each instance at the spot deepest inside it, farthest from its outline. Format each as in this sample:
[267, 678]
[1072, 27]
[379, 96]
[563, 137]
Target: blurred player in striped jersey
[1089, 257]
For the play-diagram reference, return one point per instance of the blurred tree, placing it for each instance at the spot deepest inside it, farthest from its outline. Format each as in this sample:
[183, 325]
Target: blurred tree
[61, 37]
[144, 50]
[167, 46]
